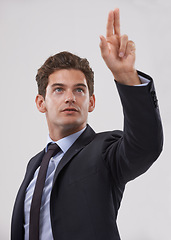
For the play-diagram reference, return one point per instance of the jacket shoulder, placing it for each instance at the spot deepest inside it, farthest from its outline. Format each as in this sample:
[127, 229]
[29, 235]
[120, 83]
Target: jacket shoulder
[36, 158]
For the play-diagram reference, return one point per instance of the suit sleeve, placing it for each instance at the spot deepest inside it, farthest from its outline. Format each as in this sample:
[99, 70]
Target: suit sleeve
[142, 139]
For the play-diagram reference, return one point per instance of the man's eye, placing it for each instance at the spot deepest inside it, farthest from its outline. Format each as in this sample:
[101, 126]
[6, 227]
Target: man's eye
[58, 90]
[79, 90]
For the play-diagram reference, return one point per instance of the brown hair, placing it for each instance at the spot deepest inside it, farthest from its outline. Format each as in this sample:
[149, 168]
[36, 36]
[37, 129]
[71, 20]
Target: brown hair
[64, 60]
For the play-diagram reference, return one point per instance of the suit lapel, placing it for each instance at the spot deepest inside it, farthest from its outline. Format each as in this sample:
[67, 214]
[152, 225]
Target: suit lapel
[33, 165]
[17, 230]
[85, 138]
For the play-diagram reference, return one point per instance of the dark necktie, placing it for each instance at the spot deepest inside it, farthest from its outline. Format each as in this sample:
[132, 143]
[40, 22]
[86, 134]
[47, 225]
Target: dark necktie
[53, 149]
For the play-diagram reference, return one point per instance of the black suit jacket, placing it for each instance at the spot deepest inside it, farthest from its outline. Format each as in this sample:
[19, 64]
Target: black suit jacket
[89, 181]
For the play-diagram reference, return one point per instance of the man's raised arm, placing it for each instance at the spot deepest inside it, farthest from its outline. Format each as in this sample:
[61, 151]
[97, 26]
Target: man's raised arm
[142, 139]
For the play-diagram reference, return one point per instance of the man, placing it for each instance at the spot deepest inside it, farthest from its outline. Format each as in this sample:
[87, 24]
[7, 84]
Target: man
[85, 180]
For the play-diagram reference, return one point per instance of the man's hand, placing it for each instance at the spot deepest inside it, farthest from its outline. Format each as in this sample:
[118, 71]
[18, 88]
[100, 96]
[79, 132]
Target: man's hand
[118, 52]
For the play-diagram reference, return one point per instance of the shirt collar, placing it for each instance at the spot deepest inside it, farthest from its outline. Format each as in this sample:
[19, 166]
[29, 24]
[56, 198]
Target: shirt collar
[66, 142]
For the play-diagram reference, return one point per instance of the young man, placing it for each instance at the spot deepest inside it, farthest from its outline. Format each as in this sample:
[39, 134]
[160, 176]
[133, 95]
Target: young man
[85, 180]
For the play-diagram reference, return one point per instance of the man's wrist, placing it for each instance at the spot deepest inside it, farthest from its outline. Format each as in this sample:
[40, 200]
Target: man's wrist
[129, 78]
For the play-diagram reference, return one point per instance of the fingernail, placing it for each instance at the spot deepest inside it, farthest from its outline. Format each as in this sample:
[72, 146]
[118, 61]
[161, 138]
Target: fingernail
[121, 54]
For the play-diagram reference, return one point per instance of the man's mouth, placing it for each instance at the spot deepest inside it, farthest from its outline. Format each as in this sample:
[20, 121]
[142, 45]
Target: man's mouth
[70, 110]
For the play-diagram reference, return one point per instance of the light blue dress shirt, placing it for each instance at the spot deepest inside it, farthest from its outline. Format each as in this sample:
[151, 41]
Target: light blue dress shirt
[45, 222]
[144, 81]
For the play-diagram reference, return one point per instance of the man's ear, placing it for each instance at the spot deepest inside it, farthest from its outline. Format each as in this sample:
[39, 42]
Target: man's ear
[40, 103]
[91, 103]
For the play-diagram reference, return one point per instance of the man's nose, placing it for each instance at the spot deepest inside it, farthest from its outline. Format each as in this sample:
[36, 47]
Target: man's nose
[70, 97]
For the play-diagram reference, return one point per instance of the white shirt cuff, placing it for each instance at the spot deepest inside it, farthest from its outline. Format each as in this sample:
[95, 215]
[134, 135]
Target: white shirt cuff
[144, 81]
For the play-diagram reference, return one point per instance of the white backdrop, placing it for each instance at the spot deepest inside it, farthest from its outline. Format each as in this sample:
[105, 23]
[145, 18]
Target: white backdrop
[31, 31]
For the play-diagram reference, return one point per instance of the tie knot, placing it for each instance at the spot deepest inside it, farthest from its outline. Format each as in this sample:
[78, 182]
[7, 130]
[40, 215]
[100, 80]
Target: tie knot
[54, 148]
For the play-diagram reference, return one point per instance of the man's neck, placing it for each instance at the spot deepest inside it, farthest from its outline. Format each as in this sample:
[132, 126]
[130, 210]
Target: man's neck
[57, 135]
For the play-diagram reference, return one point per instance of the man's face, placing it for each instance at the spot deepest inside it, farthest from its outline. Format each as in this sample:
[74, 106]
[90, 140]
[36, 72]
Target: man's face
[67, 101]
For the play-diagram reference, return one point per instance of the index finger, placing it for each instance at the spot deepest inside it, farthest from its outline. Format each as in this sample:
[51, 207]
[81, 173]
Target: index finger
[116, 23]
[110, 22]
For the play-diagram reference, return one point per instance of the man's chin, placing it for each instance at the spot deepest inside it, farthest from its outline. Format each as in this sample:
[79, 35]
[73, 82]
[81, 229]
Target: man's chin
[73, 126]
